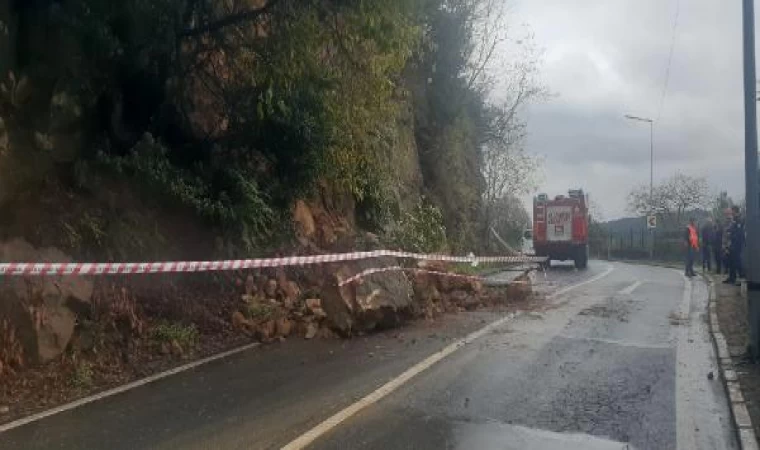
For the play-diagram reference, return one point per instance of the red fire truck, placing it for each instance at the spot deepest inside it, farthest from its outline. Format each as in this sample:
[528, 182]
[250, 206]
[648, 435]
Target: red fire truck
[560, 227]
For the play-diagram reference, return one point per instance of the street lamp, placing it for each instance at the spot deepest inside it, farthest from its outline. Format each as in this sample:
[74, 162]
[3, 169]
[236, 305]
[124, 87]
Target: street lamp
[651, 153]
[651, 172]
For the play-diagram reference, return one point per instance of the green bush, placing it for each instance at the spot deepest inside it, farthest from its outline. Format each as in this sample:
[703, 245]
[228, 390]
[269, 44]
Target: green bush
[81, 378]
[261, 311]
[419, 230]
[185, 335]
[223, 196]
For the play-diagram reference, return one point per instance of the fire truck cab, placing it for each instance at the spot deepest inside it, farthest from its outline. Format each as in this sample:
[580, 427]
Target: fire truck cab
[560, 227]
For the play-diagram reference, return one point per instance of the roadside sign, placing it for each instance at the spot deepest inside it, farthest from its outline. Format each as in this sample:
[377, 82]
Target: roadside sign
[651, 222]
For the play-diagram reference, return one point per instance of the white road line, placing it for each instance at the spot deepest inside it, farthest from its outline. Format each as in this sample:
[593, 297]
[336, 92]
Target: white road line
[147, 380]
[123, 388]
[582, 283]
[629, 290]
[336, 419]
[684, 420]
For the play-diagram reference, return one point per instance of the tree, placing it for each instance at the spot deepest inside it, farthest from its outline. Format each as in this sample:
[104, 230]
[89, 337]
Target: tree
[508, 169]
[720, 203]
[672, 199]
[510, 219]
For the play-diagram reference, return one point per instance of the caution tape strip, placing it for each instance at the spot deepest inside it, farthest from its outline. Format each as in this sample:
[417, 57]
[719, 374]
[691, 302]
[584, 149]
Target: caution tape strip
[48, 268]
[373, 271]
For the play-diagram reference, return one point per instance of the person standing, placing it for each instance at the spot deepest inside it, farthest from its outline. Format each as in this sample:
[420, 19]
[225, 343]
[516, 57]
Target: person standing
[717, 245]
[735, 243]
[726, 244]
[707, 236]
[691, 240]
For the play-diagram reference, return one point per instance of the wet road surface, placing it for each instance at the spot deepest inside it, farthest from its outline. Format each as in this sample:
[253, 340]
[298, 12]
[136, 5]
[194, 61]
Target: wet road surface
[617, 358]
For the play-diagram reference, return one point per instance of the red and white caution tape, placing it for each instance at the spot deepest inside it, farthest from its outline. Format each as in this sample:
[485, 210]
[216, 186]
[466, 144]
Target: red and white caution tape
[372, 271]
[32, 269]
[368, 272]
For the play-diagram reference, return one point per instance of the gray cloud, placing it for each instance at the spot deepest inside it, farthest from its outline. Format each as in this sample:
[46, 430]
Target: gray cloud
[606, 58]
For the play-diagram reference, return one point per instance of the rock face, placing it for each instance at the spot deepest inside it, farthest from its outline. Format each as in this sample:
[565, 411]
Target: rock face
[304, 222]
[42, 310]
[377, 301]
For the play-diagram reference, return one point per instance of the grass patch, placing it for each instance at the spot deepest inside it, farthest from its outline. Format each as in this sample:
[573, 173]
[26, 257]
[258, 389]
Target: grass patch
[185, 335]
[480, 269]
[81, 378]
[261, 311]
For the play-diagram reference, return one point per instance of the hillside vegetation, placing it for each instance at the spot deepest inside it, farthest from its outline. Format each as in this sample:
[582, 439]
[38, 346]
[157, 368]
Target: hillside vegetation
[191, 128]
[159, 130]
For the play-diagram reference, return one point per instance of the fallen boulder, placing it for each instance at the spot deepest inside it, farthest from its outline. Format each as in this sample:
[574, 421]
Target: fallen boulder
[380, 300]
[42, 310]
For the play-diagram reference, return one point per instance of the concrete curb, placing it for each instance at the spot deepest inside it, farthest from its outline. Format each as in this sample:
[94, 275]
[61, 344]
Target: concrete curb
[745, 433]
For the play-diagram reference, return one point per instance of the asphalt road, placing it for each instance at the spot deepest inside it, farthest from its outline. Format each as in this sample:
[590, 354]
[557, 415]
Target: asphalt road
[617, 357]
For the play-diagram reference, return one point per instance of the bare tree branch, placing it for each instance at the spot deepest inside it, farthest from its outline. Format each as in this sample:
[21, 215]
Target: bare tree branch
[233, 19]
[672, 199]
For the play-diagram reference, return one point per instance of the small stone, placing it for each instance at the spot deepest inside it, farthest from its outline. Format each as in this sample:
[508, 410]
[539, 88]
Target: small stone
[239, 322]
[4, 409]
[271, 288]
[266, 330]
[311, 331]
[291, 290]
[250, 285]
[176, 348]
[283, 327]
[710, 376]
[314, 305]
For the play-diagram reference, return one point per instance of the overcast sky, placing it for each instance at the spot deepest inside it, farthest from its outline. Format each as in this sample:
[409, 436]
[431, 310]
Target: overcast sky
[607, 58]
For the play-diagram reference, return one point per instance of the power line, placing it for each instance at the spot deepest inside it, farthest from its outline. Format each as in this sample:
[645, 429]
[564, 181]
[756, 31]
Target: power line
[670, 59]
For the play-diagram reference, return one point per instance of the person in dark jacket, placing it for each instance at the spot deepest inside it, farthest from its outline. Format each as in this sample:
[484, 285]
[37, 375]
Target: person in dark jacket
[706, 235]
[717, 246]
[726, 243]
[735, 244]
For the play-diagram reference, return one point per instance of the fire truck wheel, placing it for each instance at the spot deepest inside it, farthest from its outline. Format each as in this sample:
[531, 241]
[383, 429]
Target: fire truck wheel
[581, 258]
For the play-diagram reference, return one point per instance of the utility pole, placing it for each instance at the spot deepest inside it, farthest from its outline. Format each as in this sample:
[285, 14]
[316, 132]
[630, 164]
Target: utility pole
[651, 163]
[651, 173]
[751, 178]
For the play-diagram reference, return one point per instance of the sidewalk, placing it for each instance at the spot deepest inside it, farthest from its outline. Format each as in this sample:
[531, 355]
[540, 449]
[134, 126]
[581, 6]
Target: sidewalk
[731, 309]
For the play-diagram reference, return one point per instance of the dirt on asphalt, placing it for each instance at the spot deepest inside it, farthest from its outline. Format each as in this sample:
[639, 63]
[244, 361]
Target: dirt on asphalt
[78, 374]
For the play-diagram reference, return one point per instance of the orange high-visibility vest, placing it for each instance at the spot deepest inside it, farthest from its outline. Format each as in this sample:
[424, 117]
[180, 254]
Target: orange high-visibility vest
[693, 237]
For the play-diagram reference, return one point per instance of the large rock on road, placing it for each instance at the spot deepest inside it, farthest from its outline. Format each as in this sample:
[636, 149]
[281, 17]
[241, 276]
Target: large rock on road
[380, 300]
[42, 311]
